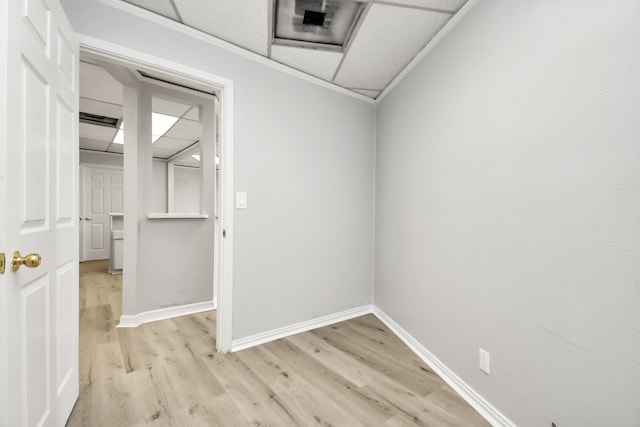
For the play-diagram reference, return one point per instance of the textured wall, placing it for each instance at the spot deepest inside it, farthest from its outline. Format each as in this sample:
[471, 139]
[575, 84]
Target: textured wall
[304, 155]
[508, 207]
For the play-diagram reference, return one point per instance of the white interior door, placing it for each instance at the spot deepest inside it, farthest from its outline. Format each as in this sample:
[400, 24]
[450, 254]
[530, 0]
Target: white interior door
[102, 195]
[38, 213]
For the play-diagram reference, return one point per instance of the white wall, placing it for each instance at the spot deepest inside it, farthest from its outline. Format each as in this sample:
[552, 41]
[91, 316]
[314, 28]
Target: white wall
[100, 158]
[507, 207]
[187, 182]
[303, 248]
[159, 199]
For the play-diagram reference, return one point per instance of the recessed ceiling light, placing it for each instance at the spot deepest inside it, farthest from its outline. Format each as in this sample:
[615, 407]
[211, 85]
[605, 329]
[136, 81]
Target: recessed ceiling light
[119, 138]
[160, 124]
[315, 24]
[197, 157]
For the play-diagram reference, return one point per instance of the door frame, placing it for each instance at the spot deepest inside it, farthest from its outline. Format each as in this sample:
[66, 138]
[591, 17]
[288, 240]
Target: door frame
[141, 60]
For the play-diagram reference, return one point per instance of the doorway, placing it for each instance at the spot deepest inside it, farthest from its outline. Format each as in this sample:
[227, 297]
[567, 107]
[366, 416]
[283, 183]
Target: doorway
[161, 69]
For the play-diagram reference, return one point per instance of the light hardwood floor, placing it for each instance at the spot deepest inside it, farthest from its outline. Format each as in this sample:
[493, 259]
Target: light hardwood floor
[167, 373]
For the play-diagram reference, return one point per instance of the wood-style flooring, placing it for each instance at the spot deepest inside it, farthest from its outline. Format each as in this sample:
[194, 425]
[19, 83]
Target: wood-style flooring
[167, 373]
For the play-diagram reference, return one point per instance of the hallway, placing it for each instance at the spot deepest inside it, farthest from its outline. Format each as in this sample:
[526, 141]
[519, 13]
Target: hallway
[167, 373]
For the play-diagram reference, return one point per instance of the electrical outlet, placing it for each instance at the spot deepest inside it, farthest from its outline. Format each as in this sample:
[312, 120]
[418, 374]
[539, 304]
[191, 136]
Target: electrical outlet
[485, 361]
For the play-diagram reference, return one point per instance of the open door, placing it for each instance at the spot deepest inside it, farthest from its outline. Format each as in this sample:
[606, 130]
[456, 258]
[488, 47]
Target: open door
[38, 214]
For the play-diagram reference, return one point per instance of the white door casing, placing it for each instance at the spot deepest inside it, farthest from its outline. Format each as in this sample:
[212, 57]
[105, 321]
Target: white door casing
[123, 55]
[38, 213]
[102, 194]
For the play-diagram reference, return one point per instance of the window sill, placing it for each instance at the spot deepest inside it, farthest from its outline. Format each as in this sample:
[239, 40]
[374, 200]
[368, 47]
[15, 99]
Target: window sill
[177, 216]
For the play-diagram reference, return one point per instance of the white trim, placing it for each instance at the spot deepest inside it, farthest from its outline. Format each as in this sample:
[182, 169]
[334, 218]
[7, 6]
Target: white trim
[128, 321]
[99, 166]
[450, 25]
[480, 404]
[224, 294]
[214, 41]
[130, 57]
[264, 337]
[86, 150]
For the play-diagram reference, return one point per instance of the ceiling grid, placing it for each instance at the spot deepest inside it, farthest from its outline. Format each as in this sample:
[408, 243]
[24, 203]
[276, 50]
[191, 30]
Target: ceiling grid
[384, 40]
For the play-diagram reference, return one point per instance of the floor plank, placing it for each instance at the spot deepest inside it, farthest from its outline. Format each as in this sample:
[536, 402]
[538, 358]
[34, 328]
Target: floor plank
[167, 373]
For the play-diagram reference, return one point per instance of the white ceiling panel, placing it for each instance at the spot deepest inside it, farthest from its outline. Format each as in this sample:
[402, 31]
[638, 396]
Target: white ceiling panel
[116, 148]
[175, 144]
[366, 92]
[161, 7]
[450, 5]
[96, 83]
[89, 144]
[97, 133]
[242, 22]
[185, 129]
[319, 63]
[389, 38]
[100, 108]
[192, 114]
[169, 108]
[162, 154]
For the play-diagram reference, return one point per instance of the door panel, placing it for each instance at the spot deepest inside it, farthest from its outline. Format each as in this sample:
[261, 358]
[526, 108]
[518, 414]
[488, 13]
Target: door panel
[65, 169]
[38, 306]
[97, 240]
[34, 303]
[35, 143]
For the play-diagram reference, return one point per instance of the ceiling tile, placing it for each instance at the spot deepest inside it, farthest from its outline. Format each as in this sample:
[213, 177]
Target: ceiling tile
[450, 5]
[192, 114]
[162, 154]
[100, 108]
[185, 129]
[367, 92]
[389, 38]
[169, 108]
[97, 133]
[319, 63]
[175, 144]
[241, 22]
[161, 7]
[89, 144]
[116, 148]
[96, 83]
[188, 161]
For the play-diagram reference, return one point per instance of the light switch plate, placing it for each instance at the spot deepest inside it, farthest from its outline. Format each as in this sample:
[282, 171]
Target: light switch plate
[241, 200]
[485, 361]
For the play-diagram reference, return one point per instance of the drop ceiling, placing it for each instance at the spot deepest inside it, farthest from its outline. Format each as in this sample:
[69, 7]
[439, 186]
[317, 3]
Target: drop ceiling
[384, 39]
[101, 95]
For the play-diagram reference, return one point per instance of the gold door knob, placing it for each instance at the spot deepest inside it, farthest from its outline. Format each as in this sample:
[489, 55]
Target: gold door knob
[31, 261]
[86, 218]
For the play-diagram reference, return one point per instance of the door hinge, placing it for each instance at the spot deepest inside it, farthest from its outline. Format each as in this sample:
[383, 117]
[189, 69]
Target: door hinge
[224, 234]
[1, 263]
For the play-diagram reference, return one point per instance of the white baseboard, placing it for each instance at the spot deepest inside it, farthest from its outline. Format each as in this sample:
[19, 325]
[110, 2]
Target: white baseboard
[128, 321]
[251, 341]
[484, 408]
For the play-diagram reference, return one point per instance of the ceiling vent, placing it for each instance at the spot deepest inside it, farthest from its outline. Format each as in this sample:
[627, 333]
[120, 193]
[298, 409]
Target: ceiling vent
[95, 119]
[150, 76]
[315, 24]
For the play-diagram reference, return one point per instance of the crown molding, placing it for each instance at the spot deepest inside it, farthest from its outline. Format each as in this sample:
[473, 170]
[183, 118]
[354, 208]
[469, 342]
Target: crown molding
[450, 25]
